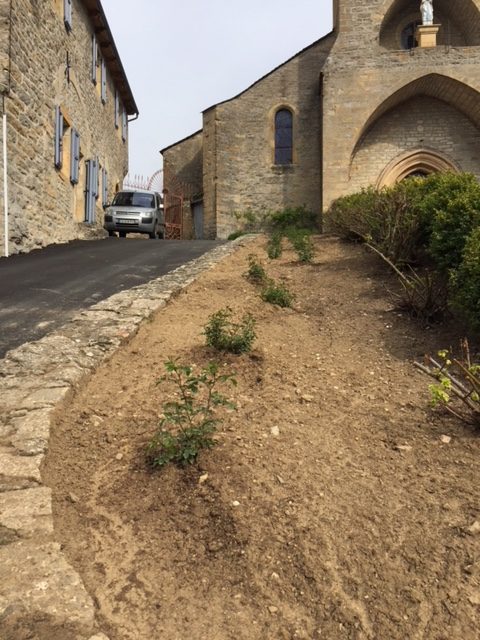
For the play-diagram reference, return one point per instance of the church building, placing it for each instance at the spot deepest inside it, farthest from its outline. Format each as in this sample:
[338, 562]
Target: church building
[392, 91]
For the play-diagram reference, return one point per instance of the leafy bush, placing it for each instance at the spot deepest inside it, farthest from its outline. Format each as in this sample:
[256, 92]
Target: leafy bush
[424, 294]
[465, 281]
[302, 242]
[256, 273]
[296, 217]
[224, 334]
[191, 418]
[274, 246]
[277, 294]
[236, 234]
[388, 219]
[453, 207]
[458, 383]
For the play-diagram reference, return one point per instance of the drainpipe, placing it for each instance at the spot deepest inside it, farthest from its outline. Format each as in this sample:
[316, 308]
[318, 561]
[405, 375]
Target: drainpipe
[4, 123]
[5, 178]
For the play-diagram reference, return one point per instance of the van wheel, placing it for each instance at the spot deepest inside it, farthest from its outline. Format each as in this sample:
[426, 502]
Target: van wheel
[122, 234]
[161, 233]
[112, 234]
[153, 234]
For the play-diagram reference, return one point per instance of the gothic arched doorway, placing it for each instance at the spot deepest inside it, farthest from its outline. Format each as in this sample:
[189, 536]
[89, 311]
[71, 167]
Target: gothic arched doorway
[415, 163]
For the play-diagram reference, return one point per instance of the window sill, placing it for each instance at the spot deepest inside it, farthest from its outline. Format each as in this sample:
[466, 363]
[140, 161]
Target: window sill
[283, 168]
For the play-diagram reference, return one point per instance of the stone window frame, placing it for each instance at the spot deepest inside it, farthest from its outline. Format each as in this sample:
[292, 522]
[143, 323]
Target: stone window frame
[272, 135]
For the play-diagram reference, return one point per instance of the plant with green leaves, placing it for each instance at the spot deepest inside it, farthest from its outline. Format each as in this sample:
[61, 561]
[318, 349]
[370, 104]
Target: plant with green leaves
[224, 334]
[458, 383]
[277, 294]
[256, 273]
[302, 242]
[274, 246]
[293, 217]
[189, 423]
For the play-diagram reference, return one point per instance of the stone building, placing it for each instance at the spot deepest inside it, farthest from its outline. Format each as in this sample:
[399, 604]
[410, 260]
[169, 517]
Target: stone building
[66, 102]
[381, 97]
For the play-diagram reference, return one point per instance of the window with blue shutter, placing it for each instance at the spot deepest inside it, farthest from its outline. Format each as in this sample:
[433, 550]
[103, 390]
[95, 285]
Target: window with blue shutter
[283, 137]
[94, 58]
[104, 187]
[124, 125]
[58, 137]
[117, 109]
[91, 190]
[67, 14]
[75, 157]
[104, 81]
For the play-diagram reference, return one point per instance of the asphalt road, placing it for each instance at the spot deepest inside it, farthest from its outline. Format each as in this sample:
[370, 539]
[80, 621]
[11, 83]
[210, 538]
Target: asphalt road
[41, 290]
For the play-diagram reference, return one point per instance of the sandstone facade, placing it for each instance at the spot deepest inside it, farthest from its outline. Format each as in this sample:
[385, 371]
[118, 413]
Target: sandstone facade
[60, 55]
[364, 101]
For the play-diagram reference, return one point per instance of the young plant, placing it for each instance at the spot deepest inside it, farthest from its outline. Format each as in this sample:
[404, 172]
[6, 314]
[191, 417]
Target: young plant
[256, 273]
[277, 294]
[458, 384]
[189, 423]
[274, 246]
[302, 242]
[223, 334]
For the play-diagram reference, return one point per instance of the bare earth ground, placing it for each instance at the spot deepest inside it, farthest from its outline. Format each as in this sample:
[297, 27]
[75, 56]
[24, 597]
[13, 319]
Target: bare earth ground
[352, 522]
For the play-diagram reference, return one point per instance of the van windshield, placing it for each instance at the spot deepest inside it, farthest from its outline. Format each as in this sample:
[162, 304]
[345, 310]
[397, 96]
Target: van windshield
[134, 199]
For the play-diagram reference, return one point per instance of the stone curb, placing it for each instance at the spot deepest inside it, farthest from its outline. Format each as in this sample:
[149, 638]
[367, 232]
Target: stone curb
[39, 591]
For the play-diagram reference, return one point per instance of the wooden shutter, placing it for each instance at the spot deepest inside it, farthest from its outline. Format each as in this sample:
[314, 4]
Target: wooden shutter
[91, 186]
[104, 81]
[117, 109]
[67, 13]
[58, 137]
[124, 125]
[94, 58]
[75, 157]
[104, 187]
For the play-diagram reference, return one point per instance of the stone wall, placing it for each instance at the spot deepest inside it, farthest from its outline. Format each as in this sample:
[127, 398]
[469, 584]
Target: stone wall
[421, 122]
[360, 76]
[44, 206]
[239, 169]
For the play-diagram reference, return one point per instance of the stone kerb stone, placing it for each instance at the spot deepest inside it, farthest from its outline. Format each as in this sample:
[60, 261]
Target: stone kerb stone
[40, 593]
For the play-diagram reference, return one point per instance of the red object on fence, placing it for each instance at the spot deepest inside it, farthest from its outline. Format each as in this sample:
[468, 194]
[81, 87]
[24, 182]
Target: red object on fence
[173, 208]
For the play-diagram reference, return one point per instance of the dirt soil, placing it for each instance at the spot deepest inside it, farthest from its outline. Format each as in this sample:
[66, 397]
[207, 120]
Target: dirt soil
[332, 509]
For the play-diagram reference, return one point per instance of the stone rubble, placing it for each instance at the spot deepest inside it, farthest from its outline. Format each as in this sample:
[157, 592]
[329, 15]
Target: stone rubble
[39, 591]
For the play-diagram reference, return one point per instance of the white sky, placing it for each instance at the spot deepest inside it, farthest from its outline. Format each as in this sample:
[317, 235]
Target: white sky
[182, 56]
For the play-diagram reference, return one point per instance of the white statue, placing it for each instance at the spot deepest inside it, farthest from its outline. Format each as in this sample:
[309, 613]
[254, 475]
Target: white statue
[426, 8]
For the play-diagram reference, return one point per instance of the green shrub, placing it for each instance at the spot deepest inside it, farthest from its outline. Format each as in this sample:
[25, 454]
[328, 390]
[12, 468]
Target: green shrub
[302, 242]
[277, 294]
[188, 423]
[256, 273]
[454, 210]
[298, 217]
[465, 281]
[224, 334]
[236, 234]
[274, 246]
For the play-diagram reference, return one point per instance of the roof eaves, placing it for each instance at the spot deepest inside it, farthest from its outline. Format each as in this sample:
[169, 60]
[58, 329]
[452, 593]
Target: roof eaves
[192, 135]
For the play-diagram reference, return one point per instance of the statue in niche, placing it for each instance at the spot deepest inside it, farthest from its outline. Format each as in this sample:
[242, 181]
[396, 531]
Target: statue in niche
[426, 8]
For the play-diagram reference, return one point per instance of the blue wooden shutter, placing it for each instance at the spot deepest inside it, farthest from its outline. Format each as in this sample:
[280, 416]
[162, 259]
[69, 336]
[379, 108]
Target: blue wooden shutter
[90, 189]
[104, 81]
[124, 124]
[58, 137]
[117, 109]
[94, 58]
[67, 13]
[75, 157]
[104, 187]
[96, 178]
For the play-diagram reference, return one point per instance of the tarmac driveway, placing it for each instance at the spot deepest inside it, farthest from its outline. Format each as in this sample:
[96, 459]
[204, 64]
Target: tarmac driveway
[41, 290]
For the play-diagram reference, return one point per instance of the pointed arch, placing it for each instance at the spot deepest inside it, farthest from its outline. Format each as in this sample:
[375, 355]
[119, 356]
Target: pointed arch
[464, 98]
[459, 20]
[422, 160]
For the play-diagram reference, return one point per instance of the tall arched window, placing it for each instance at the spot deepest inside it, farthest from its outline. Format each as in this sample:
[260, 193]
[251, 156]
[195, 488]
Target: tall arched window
[283, 137]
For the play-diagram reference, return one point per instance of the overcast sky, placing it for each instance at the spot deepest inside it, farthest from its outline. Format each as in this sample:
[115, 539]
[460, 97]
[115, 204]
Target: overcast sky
[182, 56]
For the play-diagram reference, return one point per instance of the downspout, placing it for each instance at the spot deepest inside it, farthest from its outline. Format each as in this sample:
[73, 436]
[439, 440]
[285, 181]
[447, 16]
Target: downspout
[6, 93]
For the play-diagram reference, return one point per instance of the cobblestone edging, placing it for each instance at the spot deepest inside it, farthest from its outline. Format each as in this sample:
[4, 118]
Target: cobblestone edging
[40, 593]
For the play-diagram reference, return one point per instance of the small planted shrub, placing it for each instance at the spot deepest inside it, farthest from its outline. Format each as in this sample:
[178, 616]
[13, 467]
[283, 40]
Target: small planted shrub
[458, 383]
[296, 217]
[277, 294]
[224, 334]
[189, 423]
[424, 294]
[274, 246]
[302, 242]
[235, 235]
[256, 273]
